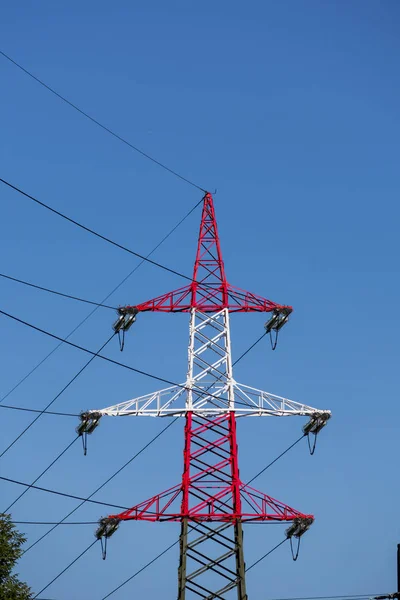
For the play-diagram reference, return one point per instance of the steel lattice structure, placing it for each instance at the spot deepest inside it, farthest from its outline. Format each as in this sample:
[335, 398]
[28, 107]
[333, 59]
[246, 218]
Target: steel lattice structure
[211, 502]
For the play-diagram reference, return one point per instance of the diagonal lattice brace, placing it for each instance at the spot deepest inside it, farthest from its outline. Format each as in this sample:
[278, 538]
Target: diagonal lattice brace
[226, 564]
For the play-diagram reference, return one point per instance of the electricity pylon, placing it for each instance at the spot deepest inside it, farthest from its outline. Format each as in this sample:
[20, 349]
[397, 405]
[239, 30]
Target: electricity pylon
[210, 502]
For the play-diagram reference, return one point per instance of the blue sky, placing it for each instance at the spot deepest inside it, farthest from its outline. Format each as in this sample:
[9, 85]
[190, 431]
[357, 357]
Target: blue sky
[290, 111]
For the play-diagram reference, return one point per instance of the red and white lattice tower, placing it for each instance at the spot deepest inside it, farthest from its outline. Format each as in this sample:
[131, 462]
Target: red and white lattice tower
[210, 502]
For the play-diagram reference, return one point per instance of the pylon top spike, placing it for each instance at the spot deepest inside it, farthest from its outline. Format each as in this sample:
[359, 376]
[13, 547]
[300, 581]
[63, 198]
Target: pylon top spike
[209, 267]
[209, 291]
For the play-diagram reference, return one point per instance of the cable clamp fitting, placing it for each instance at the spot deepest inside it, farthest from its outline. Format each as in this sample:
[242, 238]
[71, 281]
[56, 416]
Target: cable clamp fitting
[298, 528]
[126, 318]
[317, 422]
[107, 527]
[279, 318]
[88, 423]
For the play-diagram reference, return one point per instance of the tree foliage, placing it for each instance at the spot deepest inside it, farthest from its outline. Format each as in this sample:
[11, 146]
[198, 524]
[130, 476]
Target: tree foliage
[11, 541]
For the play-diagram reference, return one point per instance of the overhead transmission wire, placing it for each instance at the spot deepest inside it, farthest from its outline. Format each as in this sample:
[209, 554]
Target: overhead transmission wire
[344, 597]
[57, 396]
[169, 548]
[89, 498]
[75, 107]
[102, 237]
[84, 500]
[107, 481]
[148, 564]
[95, 233]
[99, 124]
[119, 470]
[55, 523]
[161, 553]
[42, 412]
[94, 522]
[29, 486]
[249, 349]
[96, 502]
[108, 240]
[42, 473]
[172, 545]
[265, 555]
[57, 493]
[66, 568]
[36, 410]
[110, 360]
[171, 231]
[276, 459]
[44, 289]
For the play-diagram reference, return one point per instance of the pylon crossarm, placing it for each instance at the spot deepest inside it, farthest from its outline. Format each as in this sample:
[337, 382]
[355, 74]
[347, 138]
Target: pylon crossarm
[272, 405]
[259, 506]
[209, 401]
[208, 298]
[243, 301]
[267, 508]
[155, 404]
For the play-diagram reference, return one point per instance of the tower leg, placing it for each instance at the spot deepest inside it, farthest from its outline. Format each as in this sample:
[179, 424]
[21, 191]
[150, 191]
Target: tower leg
[215, 549]
[182, 560]
[211, 561]
[240, 564]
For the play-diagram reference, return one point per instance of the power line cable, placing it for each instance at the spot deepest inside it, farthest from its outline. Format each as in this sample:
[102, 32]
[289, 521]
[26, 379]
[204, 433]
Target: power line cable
[270, 465]
[348, 597]
[99, 124]
[66, 568]
[88, 499]
[275, 460]
[141, 569]
[110, 360]
[95, 233]
[129, 462]
[169, 548]
[251, 480]
[120, 469]
[258, 474]
[96, 522]
[106, 358]
[56, 397]
[64, 494]
[44, 289]
[55, 523]
[165, 428]
[35, 410]
[42, 473]
[248, 349]
[177, 175]
[265, 555]
[29, 486]
[171, 231]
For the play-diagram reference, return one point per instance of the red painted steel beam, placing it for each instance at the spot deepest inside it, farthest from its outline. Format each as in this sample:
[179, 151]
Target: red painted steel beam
[210, 291]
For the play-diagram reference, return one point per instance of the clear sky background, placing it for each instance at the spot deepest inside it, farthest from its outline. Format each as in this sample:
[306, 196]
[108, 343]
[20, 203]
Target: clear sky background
[291, 111]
